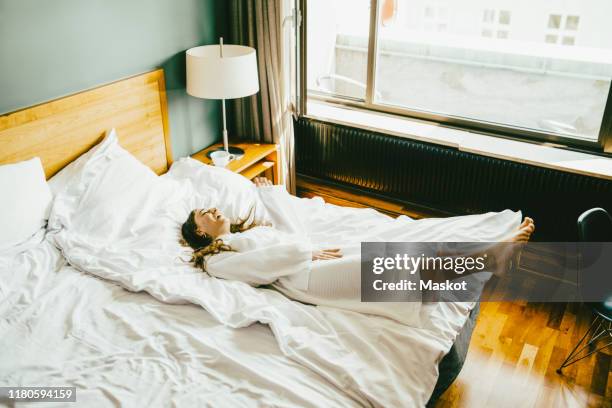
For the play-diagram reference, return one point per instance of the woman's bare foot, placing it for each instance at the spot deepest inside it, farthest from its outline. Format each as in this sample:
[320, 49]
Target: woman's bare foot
[523, 232]
[508, 256]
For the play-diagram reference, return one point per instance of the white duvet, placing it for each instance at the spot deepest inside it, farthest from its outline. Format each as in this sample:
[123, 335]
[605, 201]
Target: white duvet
[62, 327]
[118, 221]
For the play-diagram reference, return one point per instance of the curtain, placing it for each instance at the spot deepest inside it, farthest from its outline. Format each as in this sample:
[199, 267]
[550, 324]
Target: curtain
[265, 117]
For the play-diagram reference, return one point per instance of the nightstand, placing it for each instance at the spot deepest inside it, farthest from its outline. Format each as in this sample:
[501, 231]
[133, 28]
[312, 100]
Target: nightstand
[258, 159]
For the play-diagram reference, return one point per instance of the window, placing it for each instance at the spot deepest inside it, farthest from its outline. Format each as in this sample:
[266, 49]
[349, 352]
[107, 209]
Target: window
[502, 71]
[554, 21]
[562, 27]
[504, 17]
[571, 22]
[337, 41]
[436, 18]
[551, 38]
[568, 41]
[495, 23]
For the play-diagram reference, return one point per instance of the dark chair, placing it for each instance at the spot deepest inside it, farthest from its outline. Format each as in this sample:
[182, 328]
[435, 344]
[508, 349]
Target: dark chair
[594, 225]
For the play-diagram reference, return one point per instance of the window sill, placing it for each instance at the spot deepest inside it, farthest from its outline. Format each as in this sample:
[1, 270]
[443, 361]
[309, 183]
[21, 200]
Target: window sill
[513, 150]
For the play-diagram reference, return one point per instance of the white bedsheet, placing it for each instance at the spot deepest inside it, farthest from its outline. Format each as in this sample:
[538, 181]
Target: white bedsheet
[61, 327]
[375, 361]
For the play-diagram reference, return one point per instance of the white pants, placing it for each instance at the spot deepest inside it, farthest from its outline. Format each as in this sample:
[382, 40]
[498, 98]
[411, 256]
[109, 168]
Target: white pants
[337, 283]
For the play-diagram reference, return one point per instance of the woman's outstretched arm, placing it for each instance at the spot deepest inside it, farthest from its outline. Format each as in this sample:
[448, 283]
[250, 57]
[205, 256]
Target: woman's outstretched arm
[262, 266]
[262, 255]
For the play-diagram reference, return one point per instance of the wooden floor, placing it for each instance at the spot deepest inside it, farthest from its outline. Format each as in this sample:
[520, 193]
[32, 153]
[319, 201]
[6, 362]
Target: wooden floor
[516, 347]
[513, 356]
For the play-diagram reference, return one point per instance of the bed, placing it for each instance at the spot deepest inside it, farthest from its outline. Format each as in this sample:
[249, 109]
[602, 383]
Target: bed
[129, 339]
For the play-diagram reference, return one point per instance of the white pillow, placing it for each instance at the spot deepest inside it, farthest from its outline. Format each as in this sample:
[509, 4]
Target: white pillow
[26, 198]
[103, 192]
[62, 179]
[230, 192]
[116, 218]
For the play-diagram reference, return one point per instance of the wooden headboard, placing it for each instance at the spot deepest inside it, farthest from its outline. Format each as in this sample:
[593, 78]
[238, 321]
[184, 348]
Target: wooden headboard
[61, 130]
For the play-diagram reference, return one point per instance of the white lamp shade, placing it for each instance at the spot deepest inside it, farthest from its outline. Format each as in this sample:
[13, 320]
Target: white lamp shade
[211, 76]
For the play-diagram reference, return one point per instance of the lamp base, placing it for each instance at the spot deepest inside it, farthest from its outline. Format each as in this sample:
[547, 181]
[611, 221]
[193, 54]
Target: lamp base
[236, 151]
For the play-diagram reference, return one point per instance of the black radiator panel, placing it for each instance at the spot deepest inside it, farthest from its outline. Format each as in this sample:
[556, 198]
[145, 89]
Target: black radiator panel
[445, 178]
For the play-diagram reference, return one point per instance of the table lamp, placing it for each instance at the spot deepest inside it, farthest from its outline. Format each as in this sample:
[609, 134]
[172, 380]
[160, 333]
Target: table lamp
[222, 72]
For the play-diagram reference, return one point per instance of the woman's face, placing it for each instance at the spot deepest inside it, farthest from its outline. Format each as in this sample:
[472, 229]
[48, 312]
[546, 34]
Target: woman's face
[211, 222]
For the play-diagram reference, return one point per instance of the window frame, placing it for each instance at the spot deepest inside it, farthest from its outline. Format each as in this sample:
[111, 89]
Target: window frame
[603, 146]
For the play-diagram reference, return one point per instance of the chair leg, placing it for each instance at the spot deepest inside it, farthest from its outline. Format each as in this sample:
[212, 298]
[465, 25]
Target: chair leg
[593, 333]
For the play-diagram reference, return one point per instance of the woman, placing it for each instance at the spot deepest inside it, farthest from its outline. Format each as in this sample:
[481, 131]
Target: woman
[261, 254]
[253, 252]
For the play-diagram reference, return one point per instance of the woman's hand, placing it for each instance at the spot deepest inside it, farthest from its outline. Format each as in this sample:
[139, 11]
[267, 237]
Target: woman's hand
[324, 254]
[262, 182]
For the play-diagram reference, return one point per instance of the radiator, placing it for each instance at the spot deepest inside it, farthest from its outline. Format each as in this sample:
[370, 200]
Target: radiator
[446, 179]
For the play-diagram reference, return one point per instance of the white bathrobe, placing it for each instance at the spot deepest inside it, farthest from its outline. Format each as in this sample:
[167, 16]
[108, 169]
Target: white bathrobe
[281, 254]
[266, 255]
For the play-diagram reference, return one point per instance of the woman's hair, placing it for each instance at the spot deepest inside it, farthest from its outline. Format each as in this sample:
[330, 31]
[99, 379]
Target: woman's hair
[204, 246]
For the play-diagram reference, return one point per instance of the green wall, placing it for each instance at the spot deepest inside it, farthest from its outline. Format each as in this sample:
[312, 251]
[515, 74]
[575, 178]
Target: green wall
[51, 48]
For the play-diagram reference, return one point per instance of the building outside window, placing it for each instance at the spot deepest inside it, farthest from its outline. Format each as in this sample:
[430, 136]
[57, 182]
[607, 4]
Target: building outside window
[514, 67]
[496, 23]
[436, 17]
[562, 29]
